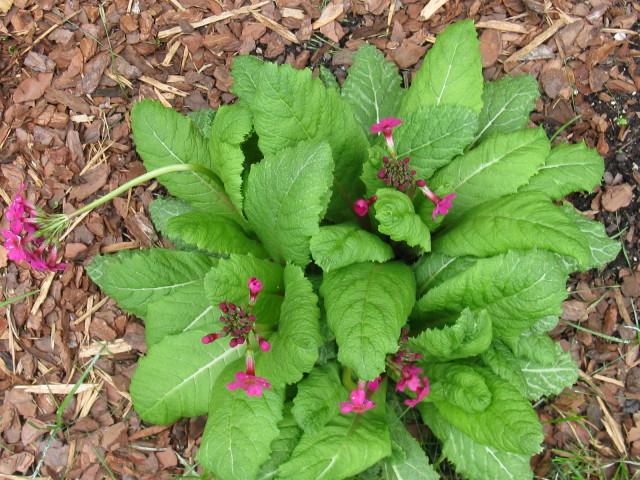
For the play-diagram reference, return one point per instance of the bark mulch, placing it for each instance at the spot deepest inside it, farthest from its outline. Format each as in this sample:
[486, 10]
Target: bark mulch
[69, 73]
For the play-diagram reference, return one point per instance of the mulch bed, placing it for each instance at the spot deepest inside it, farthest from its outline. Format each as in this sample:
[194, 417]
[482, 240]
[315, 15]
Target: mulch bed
[69, 73]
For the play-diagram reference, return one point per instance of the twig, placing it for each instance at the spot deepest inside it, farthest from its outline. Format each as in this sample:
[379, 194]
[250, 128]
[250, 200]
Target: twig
[539, 40]
[433, 6]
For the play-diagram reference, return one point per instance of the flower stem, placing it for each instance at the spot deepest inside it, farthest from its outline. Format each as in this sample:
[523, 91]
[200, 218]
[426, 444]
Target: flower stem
[181, 167]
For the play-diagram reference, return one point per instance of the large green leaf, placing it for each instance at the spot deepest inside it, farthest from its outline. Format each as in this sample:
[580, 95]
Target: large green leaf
[230, 129]
[372, 87]
[367, 304]
[394, 210]
[136, 278]
[164, 137]
[337, 246]
[458, 385]
[290, 107]
[180, 312]
[472, 459]
[282, 446]
[294, 347]
[507, 104]
[451, 73]
[602, 249]
[469, 336]
[509, 423]
[413, 464]
[240, 429]
[567, 169]
[163, 209]
[213, 233]
[522, 221]
[286, 197]
[518, 288]
[432, 136]
[345, 446]
[227, 282]
[496, 167]
[176, 377]
[318, 396]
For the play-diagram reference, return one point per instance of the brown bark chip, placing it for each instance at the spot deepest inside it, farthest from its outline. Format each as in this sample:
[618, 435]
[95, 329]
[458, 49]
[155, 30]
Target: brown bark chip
[615, 198]
[32, 88]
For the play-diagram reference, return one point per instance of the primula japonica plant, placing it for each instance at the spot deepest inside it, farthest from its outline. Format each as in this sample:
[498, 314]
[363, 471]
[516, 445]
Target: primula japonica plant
[346, 254]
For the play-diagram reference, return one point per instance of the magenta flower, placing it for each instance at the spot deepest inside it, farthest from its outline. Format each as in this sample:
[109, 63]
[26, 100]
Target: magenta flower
[422, 392]
[442, 205]
[374, 384]
[252, 384]
[21, 240]
[409, 378]
[361, 206]
[255, 287]
[358, 403]
[263, 344]
[386, 126]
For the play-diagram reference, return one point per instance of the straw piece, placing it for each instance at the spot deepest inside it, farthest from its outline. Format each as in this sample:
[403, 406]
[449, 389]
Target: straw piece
[276, 27]
[539, 40]
[505, 26]
[433, 6]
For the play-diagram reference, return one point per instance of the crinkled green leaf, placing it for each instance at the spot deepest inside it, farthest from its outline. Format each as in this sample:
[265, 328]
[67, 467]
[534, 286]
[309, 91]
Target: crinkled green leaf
[472, 459]
[469, 336]
[458, 385]
[164, 137]
[245, 72]
[394, 210]
[282, 446]
[436, 268]
[432, 136]
[342, 448]
[414, 464]
[567, 169]
[507, 104]
[180, 312]
[286, 197]
[518, 288]
[497, 167]
[509, 423]
[558, 373]
[294, 347]
[367, 304]
[240, 429]
[203, 119]
[227, 282]
[176, 377]
[213, 233]
[163, 209]
[230, 129]
[136, 278]
[501, 361]
[290, 107]
[337, 246]
[318, 396]
[372, 87]
[451, 73]
[603, 250]
[522, 221]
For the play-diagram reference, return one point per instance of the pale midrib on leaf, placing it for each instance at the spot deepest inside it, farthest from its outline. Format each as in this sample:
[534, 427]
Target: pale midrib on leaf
[146, 289]
[197, 175]
[484, 166]
[502, 465]
[428, 144]
[293, 114]
[195, 320]
[446, 78]
[503, 109]
[217, 359]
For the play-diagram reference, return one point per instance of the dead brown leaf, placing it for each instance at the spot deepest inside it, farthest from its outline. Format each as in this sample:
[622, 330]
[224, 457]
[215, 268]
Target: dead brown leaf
[615, 198]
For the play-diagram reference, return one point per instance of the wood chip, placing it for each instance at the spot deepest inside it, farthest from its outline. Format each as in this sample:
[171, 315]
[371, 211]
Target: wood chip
[5, 5]
[329, 14]
[612, 428]
[293, 13]
[92, 309]
[215, 18]
[505, 26]
[276, 27]
[539, 40]
[55, 388]
[44, 291]
[110, 348]
[163, 86]
[609, 380]
[173, 49]
[433, 6]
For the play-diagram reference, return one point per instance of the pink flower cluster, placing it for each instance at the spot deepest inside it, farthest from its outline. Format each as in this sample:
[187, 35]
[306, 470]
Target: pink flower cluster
[398, 174]
[240, 326]
[21, 239]
[359, 403]
[409, 373]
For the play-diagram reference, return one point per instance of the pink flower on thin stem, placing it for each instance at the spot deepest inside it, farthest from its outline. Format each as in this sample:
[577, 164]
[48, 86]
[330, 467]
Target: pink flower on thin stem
[374, 384]
[442, 205]
[248, 381]
[358, 403]
[386, 126]
[361, 206]
[422, 392]
[409, 378]
[255, 287]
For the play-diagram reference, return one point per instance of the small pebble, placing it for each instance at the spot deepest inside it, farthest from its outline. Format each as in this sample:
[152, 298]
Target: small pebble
[621, 157]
